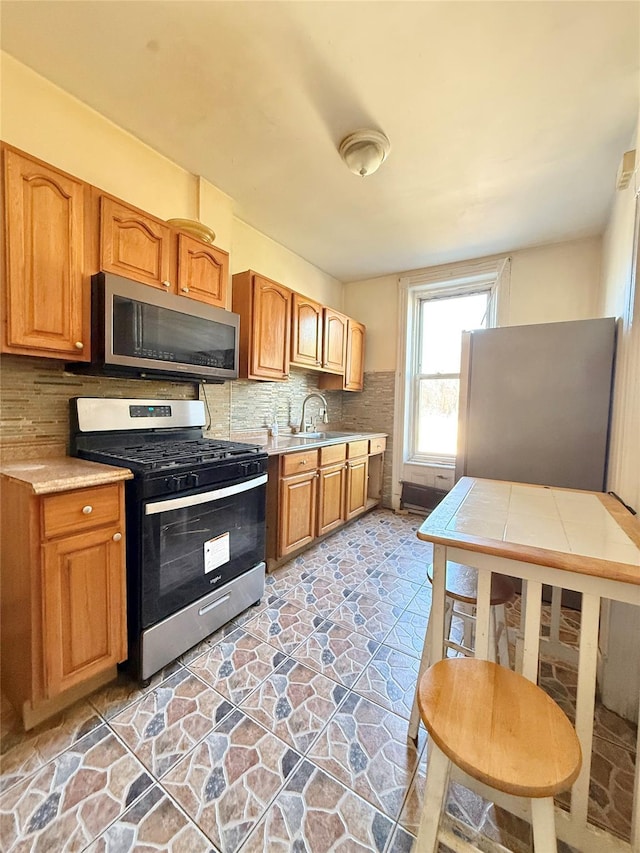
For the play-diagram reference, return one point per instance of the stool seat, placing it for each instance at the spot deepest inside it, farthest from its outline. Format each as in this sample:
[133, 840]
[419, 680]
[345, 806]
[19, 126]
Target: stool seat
[462, 584]
[499, 727]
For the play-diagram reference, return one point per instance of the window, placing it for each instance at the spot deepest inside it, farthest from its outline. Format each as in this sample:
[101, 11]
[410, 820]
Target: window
[436, 306]
[436, 382]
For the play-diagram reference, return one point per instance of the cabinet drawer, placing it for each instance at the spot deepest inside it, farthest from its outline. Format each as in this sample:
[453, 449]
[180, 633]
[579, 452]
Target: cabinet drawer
[70, 512]
[296, 463]
[377, 445]
[358, 448]
[333, 453]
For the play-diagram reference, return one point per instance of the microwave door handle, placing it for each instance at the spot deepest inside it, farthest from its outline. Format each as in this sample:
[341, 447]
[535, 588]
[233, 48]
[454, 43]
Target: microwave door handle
[204, 497]
[137, 314]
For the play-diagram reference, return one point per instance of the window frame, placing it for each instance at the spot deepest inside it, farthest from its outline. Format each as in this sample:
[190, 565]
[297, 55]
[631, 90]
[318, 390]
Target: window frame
[418, 296]
[496, 269]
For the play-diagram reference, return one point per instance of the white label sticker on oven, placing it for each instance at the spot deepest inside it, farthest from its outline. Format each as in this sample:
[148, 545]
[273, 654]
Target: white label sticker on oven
[216, 552]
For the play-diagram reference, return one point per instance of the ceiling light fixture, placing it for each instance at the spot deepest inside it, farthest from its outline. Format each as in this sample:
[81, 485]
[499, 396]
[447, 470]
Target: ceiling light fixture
[364, 151]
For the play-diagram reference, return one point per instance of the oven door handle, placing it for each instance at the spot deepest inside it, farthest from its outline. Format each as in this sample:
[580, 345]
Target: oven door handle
[204, 497]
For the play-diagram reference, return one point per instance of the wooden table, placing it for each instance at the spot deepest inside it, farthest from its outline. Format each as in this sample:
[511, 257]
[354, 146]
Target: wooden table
[582, 541]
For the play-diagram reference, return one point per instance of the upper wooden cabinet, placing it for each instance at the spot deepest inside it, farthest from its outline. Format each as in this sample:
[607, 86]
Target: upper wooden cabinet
[44, 219]
[134, 244]
[354, 371]
[306, 332]
[352, 378]
[264, 307]
[334, 341]
[203, 271]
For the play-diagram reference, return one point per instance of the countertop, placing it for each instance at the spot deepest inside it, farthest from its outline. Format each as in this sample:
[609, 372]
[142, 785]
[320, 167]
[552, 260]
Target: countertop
[61, 474]
[288, 442]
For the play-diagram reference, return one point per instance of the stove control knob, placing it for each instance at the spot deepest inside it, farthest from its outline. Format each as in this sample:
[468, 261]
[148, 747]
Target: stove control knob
[175, 484]
[194, 480]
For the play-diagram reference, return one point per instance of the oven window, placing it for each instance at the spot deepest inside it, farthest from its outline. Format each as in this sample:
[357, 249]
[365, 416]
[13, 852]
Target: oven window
[191, 551]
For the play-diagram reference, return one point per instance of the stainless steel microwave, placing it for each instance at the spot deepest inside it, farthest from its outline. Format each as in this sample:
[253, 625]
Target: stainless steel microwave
[139, 331]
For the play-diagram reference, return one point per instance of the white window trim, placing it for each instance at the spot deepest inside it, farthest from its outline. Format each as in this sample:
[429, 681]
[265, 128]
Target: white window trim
[451, 279]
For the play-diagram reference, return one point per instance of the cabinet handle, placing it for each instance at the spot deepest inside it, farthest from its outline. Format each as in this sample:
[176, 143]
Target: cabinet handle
[184, 289]
[79, 345]
[117, 537]
[166, 283]
[87, 510]
[303, 461]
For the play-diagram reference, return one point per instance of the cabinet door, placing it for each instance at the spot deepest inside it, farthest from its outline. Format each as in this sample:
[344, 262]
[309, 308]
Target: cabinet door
[84, 612]
[354, 373]
[331, 492]
[271, 331]
[356, 502]
[44, 244]
[298, 496]
[306, 332]
[335, 341]
[203, 271]
[134, 245]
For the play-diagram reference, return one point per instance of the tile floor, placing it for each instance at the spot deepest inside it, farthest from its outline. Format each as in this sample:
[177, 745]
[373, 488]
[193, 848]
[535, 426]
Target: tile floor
[284, 731]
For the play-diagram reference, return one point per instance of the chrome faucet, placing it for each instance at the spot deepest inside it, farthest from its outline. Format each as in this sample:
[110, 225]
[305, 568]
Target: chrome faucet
[325, 415]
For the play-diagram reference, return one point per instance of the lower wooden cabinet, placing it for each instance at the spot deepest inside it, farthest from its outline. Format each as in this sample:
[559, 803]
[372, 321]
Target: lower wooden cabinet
[64, 594]
[298, 497]
[356, 500]
[331, 491]
[84, 601]
[312, 492]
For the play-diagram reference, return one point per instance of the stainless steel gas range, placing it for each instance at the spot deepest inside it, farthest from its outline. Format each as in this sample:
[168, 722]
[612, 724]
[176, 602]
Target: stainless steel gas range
[195, 520]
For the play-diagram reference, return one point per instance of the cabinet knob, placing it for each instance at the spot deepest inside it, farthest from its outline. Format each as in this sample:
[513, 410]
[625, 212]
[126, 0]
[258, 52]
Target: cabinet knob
[117, 537]
[184, 289]
[79, 345]
[166, 283]
[303, 461]
[87, 510]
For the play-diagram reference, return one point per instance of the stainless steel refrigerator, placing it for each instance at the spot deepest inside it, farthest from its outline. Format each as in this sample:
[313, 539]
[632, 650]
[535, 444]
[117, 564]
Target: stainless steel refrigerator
[534, 406]
[534, 403]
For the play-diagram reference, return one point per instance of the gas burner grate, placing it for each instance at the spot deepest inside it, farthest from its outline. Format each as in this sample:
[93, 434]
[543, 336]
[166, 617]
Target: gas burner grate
[167, 454]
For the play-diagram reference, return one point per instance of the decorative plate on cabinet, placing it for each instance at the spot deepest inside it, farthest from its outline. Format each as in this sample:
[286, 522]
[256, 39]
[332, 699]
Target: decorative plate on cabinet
[195, 228]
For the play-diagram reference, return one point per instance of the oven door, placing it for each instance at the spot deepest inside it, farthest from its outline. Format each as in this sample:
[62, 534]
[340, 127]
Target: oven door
[192, 544]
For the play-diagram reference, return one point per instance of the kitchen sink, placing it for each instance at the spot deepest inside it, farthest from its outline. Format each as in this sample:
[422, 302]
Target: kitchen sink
[324, 436]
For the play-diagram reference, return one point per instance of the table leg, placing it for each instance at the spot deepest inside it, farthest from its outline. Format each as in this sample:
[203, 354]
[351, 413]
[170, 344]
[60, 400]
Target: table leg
[585, 702]
[483, 615]
[432, 650]
[531, 641]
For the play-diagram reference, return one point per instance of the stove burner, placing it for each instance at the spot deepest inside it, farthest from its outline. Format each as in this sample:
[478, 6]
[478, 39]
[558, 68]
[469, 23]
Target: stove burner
[159, 455]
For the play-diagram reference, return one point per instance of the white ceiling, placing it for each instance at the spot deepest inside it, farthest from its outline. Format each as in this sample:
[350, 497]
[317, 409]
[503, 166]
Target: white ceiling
[507, 120]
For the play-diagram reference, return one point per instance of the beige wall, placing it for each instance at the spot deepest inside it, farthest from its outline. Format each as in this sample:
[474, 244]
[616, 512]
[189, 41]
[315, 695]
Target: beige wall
[250, 249]
[548, 284]
[555, 282]
[45, 121]
[375, 303]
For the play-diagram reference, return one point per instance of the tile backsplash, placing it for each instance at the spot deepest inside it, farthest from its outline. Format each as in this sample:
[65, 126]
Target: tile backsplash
[35, 393]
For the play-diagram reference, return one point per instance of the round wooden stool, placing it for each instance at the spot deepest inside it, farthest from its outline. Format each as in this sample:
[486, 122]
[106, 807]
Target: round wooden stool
[500, 729]
[462, 587]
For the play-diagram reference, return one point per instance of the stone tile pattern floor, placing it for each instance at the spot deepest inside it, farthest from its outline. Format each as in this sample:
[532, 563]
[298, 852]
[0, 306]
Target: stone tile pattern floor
[283, 731]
